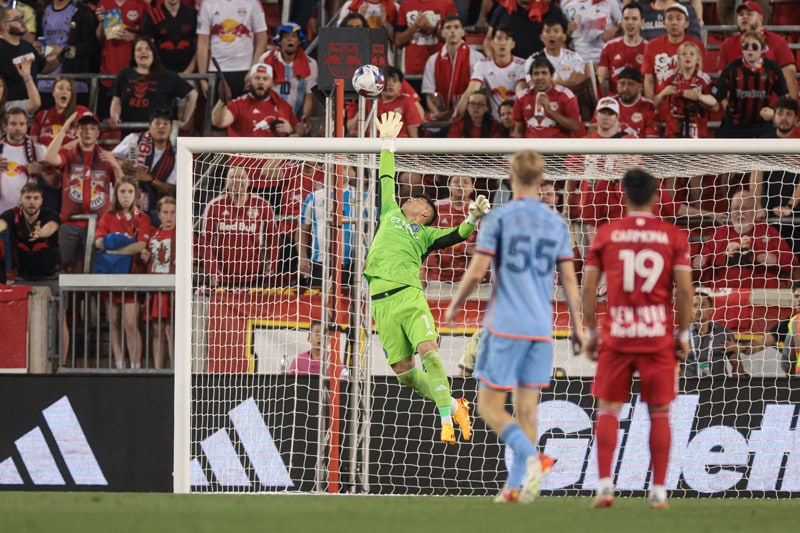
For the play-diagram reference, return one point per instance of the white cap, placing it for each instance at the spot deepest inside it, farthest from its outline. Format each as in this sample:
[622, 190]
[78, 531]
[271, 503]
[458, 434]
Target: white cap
[261, 67]
[679, 7]
[608, 103]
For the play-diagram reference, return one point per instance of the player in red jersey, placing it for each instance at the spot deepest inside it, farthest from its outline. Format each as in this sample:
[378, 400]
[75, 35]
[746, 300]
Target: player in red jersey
[237, 235]
[643, 259]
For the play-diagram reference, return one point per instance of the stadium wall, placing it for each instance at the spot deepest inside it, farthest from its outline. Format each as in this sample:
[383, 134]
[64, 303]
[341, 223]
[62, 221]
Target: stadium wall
[731, 438]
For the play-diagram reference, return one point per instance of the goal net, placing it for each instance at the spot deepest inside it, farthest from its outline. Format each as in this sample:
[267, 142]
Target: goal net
[281, 383]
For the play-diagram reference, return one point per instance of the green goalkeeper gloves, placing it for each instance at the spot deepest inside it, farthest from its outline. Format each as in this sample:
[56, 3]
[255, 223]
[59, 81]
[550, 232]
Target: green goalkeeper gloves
[478, 209]
[389, 125]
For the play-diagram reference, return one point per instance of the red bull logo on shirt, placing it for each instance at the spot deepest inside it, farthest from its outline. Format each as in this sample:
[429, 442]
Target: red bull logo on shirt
[98, 198]
[229, 30]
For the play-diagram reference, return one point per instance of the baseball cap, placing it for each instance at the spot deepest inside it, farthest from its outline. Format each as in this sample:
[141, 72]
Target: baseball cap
[289, 27]
[630, 73]
[608, 103]
[678, 7]
[87, 116]
[750, 6]
[262, 68]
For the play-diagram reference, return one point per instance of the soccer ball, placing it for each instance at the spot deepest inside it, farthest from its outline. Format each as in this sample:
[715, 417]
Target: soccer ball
[368, 81]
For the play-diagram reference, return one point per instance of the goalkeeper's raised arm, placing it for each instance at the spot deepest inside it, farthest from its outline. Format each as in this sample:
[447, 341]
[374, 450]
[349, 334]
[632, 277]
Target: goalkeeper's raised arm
[402, 316]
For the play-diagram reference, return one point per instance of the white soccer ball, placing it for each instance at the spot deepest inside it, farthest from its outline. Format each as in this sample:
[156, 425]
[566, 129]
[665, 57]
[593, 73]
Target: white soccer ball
[368, 81]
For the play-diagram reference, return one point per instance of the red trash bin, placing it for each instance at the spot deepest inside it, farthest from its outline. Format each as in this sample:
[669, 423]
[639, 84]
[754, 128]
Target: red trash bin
[14, 328]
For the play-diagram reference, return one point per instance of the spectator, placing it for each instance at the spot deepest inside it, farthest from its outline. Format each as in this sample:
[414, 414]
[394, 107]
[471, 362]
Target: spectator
[745, 253]
[546, 109]
[607, 117]
[570, 67]
[791, 344]
[70, 26]
[637, 114]
[624, 51]
[123, 223]
[146, 86]
[507, 125]
[149, 158]
[19, 63]
[750, 17]
[714, 352]
[261, 112]
[660, 53]
[417, 30]
[499, 74]
[447, 72]
[312, 232]
[591, 25]
[392, 99]
[785, 119]
[20, 158]
[119, 22]
[87, 173]
[159, 255]
[655, 24]
[48, 121]
[376, 13]
[745, 89]
[172, 25]
[34, 239]
[308, 363]
[477, 121]
[349, 19]
[235, 34]
[294, 73]
[237, 235]
[524, 19]
[448, 265]
[726, 14]
[685, 93]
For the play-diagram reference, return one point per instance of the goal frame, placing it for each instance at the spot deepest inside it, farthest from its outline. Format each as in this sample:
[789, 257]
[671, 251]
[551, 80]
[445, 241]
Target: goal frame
[187, 147]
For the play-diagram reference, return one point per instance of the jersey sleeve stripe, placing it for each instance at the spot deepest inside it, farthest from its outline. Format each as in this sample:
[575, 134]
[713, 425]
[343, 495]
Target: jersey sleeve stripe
[485, 251]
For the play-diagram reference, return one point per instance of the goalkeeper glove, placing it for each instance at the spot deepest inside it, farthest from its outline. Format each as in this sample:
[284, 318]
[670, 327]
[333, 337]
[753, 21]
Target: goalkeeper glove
[478, 209]
[389, 125]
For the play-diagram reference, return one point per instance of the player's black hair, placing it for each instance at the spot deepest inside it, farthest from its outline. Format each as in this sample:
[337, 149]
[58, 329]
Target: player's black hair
[636, 6]
[450, 18]
[431, 203]
[558, 21]
[163, 112]
[505, 29]
[640, 186]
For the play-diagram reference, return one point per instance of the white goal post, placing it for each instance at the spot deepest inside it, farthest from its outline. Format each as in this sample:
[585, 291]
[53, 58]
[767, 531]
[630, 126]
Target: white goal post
[728, 433]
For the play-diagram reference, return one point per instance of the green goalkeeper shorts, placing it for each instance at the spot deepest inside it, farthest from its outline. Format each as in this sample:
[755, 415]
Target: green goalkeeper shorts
[404, 320]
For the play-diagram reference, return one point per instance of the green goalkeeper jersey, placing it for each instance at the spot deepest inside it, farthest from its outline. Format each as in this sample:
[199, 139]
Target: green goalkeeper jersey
[400, 246]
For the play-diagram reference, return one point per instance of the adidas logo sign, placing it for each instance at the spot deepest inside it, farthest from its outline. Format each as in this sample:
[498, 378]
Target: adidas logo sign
[39, 459]
[256, 441]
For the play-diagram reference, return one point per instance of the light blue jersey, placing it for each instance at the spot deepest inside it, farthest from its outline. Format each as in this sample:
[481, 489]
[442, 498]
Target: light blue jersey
[526, 238]
[312, 212]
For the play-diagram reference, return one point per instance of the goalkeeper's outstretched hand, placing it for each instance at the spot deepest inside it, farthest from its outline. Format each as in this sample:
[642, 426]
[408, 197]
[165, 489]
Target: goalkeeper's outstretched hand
[389, 125]
[478, 209]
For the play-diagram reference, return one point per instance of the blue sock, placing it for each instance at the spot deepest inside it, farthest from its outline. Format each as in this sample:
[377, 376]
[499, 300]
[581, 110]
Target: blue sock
[523, 448]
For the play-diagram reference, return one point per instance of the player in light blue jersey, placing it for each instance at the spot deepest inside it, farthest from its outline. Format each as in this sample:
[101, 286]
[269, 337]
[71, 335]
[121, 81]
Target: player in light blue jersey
[525, 242]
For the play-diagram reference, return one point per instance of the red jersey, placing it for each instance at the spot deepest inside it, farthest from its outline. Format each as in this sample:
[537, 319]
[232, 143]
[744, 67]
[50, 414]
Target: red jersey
[457, 129]
[616, 55]
[48, 122]
[562, 100]
[639, 254]
[638, 118]
[86, 188]
[117, 52]
[252, 117]
[422, 45]
[740, 269]
[449, 264]
[403, 104]
[162, 251]
[238, 242]
[136, 225]
[776, 49]
[601, 200]
[683, 118]
[660, 56]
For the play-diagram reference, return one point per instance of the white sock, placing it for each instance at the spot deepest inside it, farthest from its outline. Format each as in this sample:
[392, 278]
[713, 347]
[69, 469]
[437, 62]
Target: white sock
[660, 491]
[119, 364]
[447, 420]
[453, 404]
[136, 365]
[605, 483]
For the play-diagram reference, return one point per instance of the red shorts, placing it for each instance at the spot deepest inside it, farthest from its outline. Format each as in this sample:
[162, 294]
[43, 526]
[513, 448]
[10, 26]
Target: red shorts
[160, 305]
[658, 373]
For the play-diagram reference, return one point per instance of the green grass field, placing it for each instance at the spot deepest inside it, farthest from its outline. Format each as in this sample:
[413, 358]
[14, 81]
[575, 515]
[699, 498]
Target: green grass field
[152, 513]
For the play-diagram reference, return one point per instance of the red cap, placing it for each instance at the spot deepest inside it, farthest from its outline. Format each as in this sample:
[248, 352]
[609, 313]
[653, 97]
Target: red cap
[751, 6]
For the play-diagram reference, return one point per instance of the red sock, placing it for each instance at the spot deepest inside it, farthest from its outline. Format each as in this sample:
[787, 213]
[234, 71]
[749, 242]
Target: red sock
[660, 437]
[605, 434]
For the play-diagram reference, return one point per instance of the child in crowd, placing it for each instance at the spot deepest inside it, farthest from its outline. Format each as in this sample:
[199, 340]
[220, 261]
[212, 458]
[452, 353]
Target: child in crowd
[124, 231]
[159, 255]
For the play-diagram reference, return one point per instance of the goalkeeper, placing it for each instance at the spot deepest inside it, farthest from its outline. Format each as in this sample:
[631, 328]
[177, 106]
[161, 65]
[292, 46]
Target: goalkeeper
[401, 313]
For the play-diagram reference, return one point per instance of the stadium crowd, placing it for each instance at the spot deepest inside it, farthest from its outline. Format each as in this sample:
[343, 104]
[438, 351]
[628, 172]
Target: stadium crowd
[459, 69]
